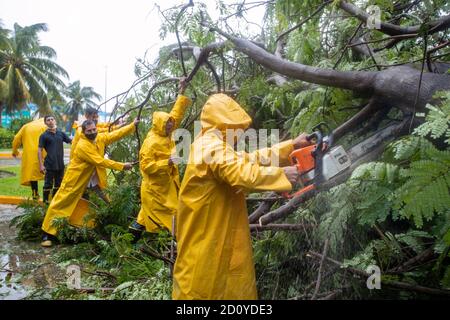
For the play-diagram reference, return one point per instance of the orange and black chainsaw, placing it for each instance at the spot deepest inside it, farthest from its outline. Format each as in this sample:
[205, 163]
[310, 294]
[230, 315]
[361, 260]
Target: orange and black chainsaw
[318, 162]
[322, 161]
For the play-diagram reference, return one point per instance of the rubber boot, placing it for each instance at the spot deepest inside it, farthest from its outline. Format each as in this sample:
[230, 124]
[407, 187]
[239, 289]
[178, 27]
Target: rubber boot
[34, 190]
[48, 240]
[136, 229]
[45, 195]
[35, 195]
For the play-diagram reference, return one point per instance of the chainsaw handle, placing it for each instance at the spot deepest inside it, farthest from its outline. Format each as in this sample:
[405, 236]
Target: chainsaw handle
[317, 135]
[319, 144]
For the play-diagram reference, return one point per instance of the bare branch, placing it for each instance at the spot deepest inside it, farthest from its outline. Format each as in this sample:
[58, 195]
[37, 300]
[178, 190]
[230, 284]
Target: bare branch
[323, 5]
[394, 284]
[183, 9]
[429, 52]
[281, 227]
[319, 274]
[393, 29]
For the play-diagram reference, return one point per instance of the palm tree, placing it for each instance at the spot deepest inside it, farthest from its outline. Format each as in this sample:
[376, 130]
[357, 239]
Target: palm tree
[3, 35]
[3, 86]
[28, 70]
[79, 98]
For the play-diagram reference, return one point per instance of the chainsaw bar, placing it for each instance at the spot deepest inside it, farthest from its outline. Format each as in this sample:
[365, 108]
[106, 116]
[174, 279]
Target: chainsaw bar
[337, 159]
[370, 143]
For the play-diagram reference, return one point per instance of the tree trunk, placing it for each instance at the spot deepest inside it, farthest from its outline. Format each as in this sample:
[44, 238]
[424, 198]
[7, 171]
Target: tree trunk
[394, 87]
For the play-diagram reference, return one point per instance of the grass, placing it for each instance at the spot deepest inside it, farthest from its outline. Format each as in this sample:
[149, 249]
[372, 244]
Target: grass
[10, 186]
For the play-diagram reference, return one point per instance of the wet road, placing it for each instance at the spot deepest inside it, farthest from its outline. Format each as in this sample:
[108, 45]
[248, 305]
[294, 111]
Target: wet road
[24, 266]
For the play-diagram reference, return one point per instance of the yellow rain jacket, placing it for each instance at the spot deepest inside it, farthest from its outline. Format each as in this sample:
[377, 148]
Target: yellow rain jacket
[28, 137]
[88, 156]
[160, 182]
[213, 237]
[101, 128]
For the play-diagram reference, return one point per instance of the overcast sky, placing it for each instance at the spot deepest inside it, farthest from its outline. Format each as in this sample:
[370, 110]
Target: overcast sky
[93, 38]
[98, 41]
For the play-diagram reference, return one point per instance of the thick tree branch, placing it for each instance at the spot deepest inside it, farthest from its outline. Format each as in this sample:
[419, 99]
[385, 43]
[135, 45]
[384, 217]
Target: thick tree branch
[350, 124]
[263, 208]
[203, 57]
[200, 61]
[422, 257]
[357, 81]
[154, 254]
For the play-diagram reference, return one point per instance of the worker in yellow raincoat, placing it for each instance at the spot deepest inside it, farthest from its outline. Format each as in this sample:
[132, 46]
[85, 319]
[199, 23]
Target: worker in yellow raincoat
[90, 114]
[88, 156]
[158, 166]
[28, 137]
[212, 230]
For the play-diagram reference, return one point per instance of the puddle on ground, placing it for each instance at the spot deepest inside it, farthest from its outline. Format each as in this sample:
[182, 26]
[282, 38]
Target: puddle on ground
[10, 288]
[6, 174]
[24, 266]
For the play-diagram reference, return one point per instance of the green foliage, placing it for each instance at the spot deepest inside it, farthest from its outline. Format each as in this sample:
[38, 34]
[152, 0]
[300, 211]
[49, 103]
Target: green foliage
[6, 138]
[18, 123]
[407, 195]
[335, 221]
[386, 213]
[426, 191]
[153, 288]
[374, 199]
[438, 119]
[118, 264]
[121, 209]
[30, 222]
[29, 69]
[70, 234]
[281, 265]
[310, 110]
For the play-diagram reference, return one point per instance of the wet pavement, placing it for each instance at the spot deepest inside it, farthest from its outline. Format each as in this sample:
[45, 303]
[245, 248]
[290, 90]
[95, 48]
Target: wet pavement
[25, 267]
[9, 161]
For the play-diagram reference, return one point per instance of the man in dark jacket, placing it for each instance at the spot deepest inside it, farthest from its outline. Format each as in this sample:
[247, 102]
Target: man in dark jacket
[53, 165]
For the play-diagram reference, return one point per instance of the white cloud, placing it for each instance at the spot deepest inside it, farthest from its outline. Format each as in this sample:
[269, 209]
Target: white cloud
[91, 36]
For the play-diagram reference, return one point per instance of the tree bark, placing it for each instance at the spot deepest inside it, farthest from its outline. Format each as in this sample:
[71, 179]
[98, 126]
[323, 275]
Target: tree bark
[393, 87]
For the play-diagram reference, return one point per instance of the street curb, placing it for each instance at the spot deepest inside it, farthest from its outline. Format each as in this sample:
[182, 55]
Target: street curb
[4, 155]
[14, 200]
